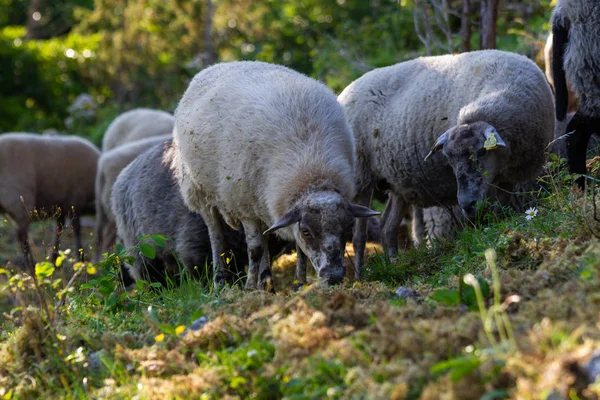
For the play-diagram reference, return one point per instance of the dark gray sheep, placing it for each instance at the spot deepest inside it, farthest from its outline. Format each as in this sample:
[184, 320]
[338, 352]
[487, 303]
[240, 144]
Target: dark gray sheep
[146, 200]
[576, 59]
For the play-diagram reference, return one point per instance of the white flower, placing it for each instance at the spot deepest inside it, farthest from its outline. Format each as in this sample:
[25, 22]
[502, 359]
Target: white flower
[252, 353]
[531, 213]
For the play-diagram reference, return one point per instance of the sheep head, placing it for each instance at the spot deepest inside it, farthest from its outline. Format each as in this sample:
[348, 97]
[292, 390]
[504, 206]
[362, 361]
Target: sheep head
[477, 153]
[322, 223]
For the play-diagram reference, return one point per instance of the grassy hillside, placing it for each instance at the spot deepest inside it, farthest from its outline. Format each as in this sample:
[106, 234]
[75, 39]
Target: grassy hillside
[522, 324]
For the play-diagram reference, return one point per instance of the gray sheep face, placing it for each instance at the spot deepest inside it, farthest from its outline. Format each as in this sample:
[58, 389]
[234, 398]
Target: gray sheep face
[476, 153]
[323, 222]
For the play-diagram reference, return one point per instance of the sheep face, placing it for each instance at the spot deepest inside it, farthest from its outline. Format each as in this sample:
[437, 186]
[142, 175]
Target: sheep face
[323, 223]
[476, 153]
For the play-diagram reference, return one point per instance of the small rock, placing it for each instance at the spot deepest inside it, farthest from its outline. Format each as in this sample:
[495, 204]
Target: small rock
[407, 293]
[95, 361]
[592, 368]
[199, 323]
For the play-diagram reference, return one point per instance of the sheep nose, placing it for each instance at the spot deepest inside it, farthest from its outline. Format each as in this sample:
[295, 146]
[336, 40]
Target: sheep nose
[335, 278]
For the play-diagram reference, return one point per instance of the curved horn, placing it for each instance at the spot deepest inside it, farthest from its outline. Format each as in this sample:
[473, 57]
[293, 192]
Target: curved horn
[439, 143]
[287, 219]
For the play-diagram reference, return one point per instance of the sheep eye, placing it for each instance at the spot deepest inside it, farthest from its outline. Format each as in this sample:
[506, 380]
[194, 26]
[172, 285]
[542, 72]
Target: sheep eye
[481, 152]
[305, 231]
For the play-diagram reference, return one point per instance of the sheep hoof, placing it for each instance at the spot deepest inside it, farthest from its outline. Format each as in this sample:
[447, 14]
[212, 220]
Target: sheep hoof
[222, 279]
[265, 282]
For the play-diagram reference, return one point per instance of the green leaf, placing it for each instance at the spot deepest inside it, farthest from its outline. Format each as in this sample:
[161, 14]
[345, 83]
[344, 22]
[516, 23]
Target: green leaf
[197, 314]
[448, 297]
[147, 250]
[156, 284]
[237, 381]
[44, 269]
[120, 249]
[159, 240]
[111, 301]
[167, 328]
[458, 367]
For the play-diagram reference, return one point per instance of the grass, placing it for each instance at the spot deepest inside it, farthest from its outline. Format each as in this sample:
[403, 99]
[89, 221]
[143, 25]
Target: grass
[358, 340]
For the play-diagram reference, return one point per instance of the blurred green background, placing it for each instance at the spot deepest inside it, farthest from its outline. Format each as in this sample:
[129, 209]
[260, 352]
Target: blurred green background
[73, 65]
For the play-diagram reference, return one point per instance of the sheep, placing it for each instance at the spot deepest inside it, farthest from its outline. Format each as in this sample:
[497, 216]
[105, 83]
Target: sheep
[262, 146]
[146, 200]
[572, 102]
[493, 112]
[136, 124]
[576, 59]
[46, 177]
[109, 166]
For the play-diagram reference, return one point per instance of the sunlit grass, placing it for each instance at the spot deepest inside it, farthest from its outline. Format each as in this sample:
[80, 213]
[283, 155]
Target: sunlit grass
[357, 340]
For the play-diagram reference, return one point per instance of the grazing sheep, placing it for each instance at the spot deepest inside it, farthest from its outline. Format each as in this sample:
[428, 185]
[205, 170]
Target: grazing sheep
[46, 177]
[137, 124]
[110, 164]
[146, 200]
[490, 112]
[265, 146]
[576, 59]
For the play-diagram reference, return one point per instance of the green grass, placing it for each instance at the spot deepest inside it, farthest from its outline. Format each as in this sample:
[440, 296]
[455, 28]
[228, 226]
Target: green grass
[357, 340]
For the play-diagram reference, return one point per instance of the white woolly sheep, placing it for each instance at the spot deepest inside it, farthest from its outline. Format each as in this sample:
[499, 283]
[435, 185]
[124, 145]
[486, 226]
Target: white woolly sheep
[490, 112]
[576, 59]
[146, 200]
[46, 177]
[265, 146]
[137, 124]
[110, 164]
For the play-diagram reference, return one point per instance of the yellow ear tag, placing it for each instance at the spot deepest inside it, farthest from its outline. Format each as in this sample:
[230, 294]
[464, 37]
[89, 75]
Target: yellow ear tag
[491, 143]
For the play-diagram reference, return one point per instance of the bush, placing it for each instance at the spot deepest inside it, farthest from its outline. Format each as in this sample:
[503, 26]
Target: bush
[39, 79]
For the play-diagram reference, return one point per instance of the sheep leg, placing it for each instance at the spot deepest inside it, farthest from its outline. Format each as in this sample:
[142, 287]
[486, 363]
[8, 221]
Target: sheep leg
[390, 222]
[359, 239]
[60, 224]
[259, 269]
[418, 226]
[76, 224]
[300, 267]
[582, 128]
[106, 238]
[23, 239]
[216, 233]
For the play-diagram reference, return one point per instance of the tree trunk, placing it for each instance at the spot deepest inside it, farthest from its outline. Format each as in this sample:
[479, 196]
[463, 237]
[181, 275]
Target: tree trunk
[465, 28]
[489, 18]
[209, 51]
[34, 20]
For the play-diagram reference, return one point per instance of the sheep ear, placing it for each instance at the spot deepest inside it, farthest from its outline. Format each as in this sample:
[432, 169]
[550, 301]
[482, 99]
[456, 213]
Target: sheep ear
[439, 144]
[493, 140]
[362, 212]
[287, 219]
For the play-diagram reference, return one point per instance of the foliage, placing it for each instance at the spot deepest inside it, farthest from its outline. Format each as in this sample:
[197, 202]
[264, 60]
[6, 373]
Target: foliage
[39, 79]
[143, 53]
[455, 334]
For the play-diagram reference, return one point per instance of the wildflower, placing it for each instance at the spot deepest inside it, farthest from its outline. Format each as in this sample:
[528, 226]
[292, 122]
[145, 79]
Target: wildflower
[160, 337]
[252, 353]
[531, 213]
